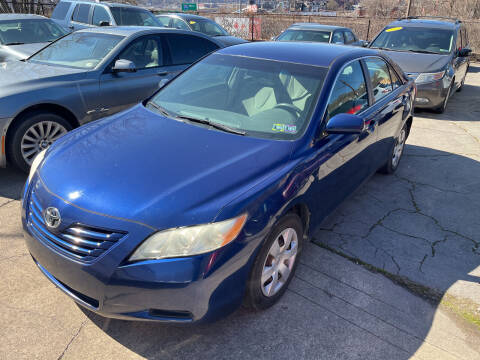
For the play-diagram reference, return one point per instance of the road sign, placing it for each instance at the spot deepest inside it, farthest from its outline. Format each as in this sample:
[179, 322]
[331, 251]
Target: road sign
[189, 7]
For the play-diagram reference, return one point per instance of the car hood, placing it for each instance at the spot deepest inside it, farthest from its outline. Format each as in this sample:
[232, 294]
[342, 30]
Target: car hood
[230, 40]
[23, 51]
[158, 171]
[418, 62]
[18, 73]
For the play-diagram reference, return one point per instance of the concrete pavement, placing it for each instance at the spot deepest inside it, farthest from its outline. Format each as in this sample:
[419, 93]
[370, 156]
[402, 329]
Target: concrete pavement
[420, 225]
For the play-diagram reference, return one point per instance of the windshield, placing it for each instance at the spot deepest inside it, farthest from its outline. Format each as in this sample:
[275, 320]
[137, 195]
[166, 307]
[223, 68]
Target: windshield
[82, 50]
[417, 39]
[28, 31]
[305, 35]
[207, 27]
[260, 98]
[126, 16]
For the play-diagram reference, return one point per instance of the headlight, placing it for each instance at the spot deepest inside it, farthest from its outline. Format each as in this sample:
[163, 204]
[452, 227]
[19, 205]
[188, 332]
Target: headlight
[429, 77]
[36, 162]
[188, 241]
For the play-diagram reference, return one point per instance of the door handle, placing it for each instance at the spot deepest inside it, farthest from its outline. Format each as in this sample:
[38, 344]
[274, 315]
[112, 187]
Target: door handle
[163, 73]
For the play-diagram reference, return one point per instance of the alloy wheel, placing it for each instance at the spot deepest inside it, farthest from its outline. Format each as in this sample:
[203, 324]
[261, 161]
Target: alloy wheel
[39, 137]
[398, 149]
[279, 262]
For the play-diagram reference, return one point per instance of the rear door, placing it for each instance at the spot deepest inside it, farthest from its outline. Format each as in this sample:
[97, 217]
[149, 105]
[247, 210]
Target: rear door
[101, 16]
[81, 17]
[119, 91]
[185, 49]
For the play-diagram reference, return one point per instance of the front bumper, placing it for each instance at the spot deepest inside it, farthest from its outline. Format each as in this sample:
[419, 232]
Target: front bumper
[4, 123]
[192, 289]
[431, 95]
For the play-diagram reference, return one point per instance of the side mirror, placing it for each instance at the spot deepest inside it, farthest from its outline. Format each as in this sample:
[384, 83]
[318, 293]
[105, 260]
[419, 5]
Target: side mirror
[122, 65]
[465, 52]
[104, 23]
[345, 124]
[163, 82]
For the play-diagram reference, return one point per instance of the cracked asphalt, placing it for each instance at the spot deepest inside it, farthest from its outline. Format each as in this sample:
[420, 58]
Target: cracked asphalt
[419, 228]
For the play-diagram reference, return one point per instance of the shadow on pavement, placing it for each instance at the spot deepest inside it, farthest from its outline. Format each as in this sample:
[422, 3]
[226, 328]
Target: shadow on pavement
[11, 183]
[335, 310]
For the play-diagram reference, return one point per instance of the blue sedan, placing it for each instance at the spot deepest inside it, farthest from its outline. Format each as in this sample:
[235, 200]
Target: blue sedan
[201, 197]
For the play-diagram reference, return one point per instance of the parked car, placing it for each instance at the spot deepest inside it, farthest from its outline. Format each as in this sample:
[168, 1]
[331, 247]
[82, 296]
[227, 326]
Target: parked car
[201, 197]
[22, 35]
[84, 76]
[83, 14]
[435, 53]
[313, 32]
[201, 24]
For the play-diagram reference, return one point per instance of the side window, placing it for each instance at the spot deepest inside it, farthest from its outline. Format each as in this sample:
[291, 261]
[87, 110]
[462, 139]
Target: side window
[349, 94]
[379, 77]
[180, 24]
[81, 13]
[145, 53]
[338, 38]
[185, 49]
[164, 20]
[349, 38]
[396, 82]
[61, 10]
[100, 15]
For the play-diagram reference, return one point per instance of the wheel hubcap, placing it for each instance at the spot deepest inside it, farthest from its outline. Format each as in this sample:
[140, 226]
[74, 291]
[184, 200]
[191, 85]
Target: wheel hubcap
[279, 262]
[39, 137]
[398, 150]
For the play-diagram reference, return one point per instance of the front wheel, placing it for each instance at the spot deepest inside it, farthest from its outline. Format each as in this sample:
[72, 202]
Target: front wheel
[396, 153]
[33, 133]
[275, 264]
[441, 109]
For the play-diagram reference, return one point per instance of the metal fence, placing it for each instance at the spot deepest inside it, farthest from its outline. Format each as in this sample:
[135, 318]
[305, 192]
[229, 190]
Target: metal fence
[21, 7]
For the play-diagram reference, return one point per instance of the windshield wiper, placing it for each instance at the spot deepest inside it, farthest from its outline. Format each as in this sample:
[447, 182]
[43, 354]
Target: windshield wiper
[15, 43]
[424, 52]
[212, 124]
[160, 109]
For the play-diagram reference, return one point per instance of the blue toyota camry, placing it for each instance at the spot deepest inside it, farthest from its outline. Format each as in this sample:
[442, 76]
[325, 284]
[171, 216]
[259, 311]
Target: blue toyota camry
[201, 197]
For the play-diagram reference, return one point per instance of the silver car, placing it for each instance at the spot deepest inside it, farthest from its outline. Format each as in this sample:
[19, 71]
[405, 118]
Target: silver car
[22, 35]
[84, 76]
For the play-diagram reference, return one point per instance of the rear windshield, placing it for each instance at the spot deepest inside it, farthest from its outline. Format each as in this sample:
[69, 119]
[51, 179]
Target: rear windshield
[28, 31]
[415, 39]
[133, 17]
[305, 35]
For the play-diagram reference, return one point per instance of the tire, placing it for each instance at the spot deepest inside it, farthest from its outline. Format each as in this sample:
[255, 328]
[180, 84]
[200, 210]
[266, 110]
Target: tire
[441, 109]
[257, 296]
[396, 153]
[27, 138]
[463, 81]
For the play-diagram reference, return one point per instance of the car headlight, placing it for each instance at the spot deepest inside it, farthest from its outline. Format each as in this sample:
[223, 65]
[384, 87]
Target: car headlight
[429, 77]
[188, 241]
[36, 162]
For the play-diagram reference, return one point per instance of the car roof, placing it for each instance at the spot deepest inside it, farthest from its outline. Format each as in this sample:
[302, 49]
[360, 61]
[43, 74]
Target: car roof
[425, 23]
[186, 16]
[109, 4]
[315, 26]
[20, 16]
[127, 30]
[316, 54]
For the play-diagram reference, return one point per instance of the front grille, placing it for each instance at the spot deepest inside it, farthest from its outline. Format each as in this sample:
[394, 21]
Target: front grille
[81, 242]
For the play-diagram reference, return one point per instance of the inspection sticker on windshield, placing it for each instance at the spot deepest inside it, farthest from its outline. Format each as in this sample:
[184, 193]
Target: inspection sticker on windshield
[192, 22]
[394, 29]
[290, 129]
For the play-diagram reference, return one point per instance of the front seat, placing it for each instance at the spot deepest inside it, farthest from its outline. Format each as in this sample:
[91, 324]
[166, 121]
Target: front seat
[263, 100]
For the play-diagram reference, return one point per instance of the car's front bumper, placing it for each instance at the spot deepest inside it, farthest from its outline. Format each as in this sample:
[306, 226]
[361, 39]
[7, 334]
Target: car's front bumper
[431, 95]
[4, 123]
[190, 289]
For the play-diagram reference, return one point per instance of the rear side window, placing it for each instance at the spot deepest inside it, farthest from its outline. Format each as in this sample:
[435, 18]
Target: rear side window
[100, 15]
[349, 38]
[81, 13]
[61, 10]
[379, 77]
[186, 49]
[349, 94]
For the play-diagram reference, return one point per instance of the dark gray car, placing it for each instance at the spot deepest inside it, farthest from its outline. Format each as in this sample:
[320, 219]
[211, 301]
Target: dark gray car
[22, 35]
[313, 32]
[84, 76]
[434, 52]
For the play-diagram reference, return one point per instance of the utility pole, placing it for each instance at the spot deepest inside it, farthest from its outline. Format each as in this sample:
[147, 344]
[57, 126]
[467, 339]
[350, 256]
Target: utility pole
[409, 7]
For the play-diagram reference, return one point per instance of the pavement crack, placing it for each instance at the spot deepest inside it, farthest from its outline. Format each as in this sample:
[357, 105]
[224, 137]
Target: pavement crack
[72, 339]
[8, 202]
[422, 261]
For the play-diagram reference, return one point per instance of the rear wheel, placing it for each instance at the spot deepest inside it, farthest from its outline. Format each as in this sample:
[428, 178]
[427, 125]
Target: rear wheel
[275, 264]
[33, 133]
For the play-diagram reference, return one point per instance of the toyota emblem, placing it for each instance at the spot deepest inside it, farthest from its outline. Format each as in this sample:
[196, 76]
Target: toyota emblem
[52, 217]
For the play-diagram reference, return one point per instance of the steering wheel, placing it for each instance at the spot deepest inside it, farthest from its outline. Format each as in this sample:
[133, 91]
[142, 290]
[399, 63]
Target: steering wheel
[291, 108]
